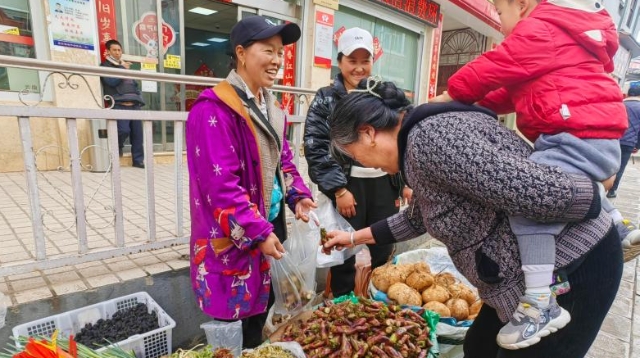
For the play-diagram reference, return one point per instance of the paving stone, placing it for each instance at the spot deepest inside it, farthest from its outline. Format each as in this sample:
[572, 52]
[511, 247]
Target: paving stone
[131, 274]
[607, 346]
[104, 280]
[33, 295]
[178, 264]
[159, 267]
[94, 271]
[63, 277]
[67, 287]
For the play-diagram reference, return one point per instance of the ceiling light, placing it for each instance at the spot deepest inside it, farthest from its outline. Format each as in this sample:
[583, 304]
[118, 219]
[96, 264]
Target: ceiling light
[202, 11]
[218, 39]
[200, 44]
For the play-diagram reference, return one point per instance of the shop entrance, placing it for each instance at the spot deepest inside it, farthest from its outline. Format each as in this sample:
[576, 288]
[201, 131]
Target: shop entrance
[208, 25]
[459, 46]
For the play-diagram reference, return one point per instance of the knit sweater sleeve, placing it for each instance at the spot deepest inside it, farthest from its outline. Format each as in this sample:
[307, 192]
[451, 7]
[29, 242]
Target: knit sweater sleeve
[467, 154]
[402, 226]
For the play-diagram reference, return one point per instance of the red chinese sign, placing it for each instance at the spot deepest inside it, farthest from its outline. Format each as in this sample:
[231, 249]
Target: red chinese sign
[435, 59]
[426, 10]
[145, 31]
[377, 49]
[289, 77]
[482, 9]
[193, 91]
[324, 35]
[337, 34]
[107, 27]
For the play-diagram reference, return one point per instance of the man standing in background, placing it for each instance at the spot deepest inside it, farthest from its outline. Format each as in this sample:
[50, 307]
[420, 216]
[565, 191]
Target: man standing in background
[126, 95]
[631, 139]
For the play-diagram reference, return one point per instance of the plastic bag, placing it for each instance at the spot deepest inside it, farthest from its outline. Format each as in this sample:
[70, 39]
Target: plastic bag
[3, 309]
[288, 286]
[363, 273]
[331, 220]
[292, 347]
[224, 335]
[301, 247]
[450, 331]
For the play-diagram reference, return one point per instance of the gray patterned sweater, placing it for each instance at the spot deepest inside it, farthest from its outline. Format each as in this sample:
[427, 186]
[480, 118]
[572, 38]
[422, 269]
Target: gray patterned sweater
[468, 175]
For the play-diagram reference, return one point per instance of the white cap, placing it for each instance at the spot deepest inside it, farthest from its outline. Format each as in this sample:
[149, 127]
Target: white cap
[353, 39]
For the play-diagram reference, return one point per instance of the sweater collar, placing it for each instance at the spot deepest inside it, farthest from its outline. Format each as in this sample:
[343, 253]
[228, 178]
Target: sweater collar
[425, 111]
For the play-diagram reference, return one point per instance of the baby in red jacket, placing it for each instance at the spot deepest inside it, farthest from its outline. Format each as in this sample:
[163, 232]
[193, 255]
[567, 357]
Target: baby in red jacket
[552, 70]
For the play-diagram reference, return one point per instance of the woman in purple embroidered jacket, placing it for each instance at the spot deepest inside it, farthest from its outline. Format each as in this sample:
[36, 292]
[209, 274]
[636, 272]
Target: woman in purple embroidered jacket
[240, 175]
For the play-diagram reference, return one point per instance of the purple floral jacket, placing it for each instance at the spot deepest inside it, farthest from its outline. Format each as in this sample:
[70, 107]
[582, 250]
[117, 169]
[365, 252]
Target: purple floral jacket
[232, 163]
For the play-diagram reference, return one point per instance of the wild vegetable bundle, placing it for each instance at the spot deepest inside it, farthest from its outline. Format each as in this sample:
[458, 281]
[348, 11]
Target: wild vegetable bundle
[415, 285]
[364, 329]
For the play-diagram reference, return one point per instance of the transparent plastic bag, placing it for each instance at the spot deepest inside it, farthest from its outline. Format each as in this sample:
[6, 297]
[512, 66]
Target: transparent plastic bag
[224, 335]
[331, 220]
[301, 247]
[292, 347]
[288, 286]
[3, 309]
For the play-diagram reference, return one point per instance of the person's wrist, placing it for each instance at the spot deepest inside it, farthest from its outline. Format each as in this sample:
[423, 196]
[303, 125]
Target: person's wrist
[341, 192]
[352, 238]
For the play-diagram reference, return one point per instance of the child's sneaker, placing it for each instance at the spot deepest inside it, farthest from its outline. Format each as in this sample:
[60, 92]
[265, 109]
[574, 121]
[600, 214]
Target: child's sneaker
[530, 323]
[629, 233]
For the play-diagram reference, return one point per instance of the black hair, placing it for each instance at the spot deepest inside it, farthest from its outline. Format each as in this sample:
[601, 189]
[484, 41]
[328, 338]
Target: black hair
[233, 61]
[340, 56]
[110, 43]
[374, 103]
[634, 89]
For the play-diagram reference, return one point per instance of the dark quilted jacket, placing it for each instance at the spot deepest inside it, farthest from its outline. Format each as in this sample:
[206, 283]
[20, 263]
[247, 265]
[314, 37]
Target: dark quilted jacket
[470, 174]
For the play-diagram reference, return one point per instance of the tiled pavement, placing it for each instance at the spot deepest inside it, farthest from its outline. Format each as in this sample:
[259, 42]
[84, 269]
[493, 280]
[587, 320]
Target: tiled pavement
[619, 337]
[620, 333]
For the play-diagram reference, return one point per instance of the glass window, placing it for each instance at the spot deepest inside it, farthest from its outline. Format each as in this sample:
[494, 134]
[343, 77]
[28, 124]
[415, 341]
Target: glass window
[16, 39]
[399, 60]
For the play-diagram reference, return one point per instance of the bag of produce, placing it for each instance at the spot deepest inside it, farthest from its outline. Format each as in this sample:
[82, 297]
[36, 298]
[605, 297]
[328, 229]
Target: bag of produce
[288, 286]
[276, 350]
[351, 326]
[301, 246]
[3, 308]
[331, 220]
[224, 337]
[428, 278]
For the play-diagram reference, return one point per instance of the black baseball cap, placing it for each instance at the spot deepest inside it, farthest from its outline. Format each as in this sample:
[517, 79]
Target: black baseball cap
[255, 28]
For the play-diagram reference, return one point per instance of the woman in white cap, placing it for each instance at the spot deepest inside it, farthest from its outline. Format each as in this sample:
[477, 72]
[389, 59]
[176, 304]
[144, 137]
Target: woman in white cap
[361, 195]
[238, 160]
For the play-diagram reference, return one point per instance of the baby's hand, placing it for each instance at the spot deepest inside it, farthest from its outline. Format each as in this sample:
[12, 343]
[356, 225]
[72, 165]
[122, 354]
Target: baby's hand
[608, 183]
[443, 98]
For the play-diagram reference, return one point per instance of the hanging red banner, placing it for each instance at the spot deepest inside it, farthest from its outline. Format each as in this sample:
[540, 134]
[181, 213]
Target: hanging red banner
[377, 49]
[289, 77]
[426, 10]
[435, 59]
[107, 26]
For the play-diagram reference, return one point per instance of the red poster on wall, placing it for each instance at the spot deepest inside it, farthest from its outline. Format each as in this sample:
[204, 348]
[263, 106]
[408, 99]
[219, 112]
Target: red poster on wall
[107, 27]
[324, 36]
[145, 31]
[289, 77]
[435, 59]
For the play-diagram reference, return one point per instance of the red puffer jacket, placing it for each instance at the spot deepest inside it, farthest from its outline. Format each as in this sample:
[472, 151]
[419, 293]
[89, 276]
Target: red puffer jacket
[553, 71]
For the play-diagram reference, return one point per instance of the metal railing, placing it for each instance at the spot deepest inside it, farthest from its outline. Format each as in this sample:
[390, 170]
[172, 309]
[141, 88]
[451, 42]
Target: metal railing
[36, 240]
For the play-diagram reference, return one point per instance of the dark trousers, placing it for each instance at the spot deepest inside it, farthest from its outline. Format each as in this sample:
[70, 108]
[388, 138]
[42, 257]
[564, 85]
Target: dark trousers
[594, 284]
[132, 130]
[376, 198]
[252, 326]
[624, 159]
